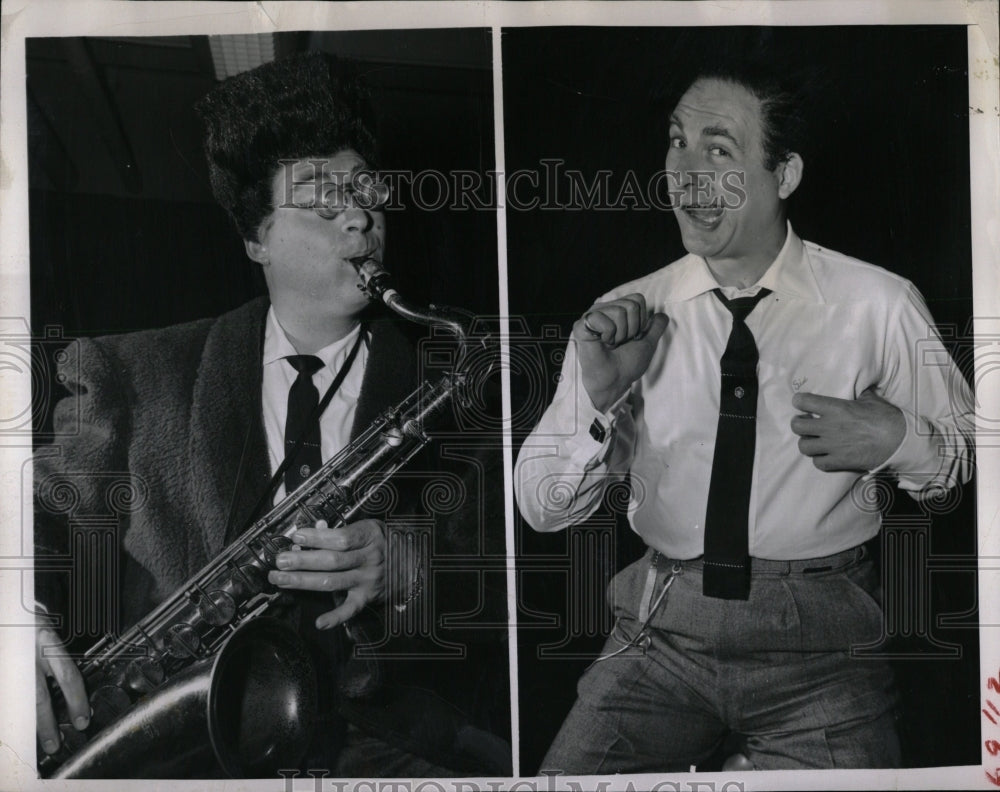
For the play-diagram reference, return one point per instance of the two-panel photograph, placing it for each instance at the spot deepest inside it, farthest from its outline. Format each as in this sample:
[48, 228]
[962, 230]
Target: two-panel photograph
[499, 405]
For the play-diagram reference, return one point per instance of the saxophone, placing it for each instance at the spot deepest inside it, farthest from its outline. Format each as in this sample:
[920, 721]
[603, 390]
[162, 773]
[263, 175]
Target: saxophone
[207, 667]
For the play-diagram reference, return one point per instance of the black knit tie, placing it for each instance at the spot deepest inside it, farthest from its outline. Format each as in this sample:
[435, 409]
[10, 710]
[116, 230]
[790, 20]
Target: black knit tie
[727, 553]
[303, 421]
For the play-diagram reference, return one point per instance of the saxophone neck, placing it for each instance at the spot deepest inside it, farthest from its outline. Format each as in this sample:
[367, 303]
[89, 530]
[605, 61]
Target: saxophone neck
[376, 282]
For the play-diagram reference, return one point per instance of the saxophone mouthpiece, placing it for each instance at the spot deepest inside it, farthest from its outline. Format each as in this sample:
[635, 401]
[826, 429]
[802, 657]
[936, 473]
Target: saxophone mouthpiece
[375, 280]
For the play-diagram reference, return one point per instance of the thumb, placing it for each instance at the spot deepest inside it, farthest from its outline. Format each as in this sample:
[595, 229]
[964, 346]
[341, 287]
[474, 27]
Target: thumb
[869, 394]
[657, 324]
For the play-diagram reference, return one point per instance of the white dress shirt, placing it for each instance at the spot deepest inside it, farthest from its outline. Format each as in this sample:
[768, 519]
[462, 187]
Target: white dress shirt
[833, 326]
[338, 417]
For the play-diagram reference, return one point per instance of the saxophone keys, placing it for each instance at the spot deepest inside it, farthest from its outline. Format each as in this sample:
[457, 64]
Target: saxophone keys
[270, 546]
[393, 436]
[143, 675]
[182, 642]
[245, 580]
[108, 703]
[217, 608]
[251, 580]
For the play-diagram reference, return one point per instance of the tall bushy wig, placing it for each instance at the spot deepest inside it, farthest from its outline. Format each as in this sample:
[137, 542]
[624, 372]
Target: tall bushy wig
[298, 107]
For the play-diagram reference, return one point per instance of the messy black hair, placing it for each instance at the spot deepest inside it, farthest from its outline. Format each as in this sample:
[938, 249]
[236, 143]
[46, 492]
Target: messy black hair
[783, 104]
[301, 106]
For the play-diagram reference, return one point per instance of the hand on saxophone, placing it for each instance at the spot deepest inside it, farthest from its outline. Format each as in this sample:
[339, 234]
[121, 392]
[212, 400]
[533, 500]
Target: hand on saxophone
[615, 342]
[52, 660]
[350, 559]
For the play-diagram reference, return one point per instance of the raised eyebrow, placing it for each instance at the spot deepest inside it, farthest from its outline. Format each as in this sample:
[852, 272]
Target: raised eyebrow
[322, 175]
[718, 131]
[349, 173]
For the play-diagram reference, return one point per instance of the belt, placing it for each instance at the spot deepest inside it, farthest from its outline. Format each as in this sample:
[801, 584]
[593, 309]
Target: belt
[759, 567]
[765, 566]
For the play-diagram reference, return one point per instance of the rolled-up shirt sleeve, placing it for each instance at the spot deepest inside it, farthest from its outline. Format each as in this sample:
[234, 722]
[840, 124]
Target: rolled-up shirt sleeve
[572, 455]
[922, 380]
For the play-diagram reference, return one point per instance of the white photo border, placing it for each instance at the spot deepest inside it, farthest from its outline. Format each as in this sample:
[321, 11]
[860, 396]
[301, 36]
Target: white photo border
[23, 19]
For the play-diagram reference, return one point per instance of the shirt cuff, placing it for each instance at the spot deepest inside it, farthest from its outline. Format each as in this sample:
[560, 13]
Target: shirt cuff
[916, 460]
[592, 431]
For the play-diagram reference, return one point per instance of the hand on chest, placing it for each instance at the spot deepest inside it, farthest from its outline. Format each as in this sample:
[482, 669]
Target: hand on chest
[831, 350]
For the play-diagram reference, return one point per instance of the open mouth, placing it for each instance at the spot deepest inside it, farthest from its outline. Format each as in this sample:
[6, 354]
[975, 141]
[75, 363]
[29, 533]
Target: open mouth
[704, 215]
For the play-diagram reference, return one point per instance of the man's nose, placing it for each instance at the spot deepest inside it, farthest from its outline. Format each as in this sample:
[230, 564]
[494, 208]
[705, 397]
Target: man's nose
[680, 164]
[681, 170]
[694, 166]
[357, 220]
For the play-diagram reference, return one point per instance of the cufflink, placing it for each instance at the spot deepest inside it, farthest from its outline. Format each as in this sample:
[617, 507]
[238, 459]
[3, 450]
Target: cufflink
[598, 432]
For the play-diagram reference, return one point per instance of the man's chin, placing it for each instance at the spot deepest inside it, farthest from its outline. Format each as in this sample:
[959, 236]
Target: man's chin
[700, 238]
[700, 243]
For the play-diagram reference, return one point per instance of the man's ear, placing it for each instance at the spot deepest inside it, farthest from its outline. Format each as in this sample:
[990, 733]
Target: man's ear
[789, 175]
[257, 248]
[257, 251]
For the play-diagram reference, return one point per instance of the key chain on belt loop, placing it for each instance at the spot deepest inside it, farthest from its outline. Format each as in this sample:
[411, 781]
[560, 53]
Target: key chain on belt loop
[646, 609]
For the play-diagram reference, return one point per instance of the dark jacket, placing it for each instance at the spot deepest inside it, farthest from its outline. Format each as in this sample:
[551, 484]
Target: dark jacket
[161, 446]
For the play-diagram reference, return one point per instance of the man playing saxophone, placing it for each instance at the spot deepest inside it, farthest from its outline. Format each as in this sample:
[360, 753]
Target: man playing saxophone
[215, 421]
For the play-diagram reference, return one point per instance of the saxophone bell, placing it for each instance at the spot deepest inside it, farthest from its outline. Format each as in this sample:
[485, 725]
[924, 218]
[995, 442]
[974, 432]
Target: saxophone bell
[209, 671]
[250, 709]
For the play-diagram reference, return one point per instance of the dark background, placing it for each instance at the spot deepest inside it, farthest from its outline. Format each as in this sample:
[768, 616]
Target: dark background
[125, 234]
[124, 231]
[886, 180]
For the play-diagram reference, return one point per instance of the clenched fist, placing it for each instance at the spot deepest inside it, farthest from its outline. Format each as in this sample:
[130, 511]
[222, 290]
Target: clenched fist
[615, 342]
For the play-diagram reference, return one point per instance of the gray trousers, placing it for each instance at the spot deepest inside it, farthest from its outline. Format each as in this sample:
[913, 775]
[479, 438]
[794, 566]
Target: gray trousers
[776, 668]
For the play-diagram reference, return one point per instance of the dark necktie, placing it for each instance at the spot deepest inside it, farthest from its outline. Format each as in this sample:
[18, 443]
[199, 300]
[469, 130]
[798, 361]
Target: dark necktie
[303, 421]
[727, 550]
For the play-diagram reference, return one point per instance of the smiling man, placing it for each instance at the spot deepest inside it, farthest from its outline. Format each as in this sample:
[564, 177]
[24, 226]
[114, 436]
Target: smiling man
[215, 421]
[748, 390]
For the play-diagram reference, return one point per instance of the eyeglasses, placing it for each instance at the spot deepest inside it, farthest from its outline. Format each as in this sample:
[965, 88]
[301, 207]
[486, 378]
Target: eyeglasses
[364, 192]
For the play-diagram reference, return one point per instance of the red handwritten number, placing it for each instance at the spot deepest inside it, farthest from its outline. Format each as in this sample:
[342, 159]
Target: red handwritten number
[993, 746]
